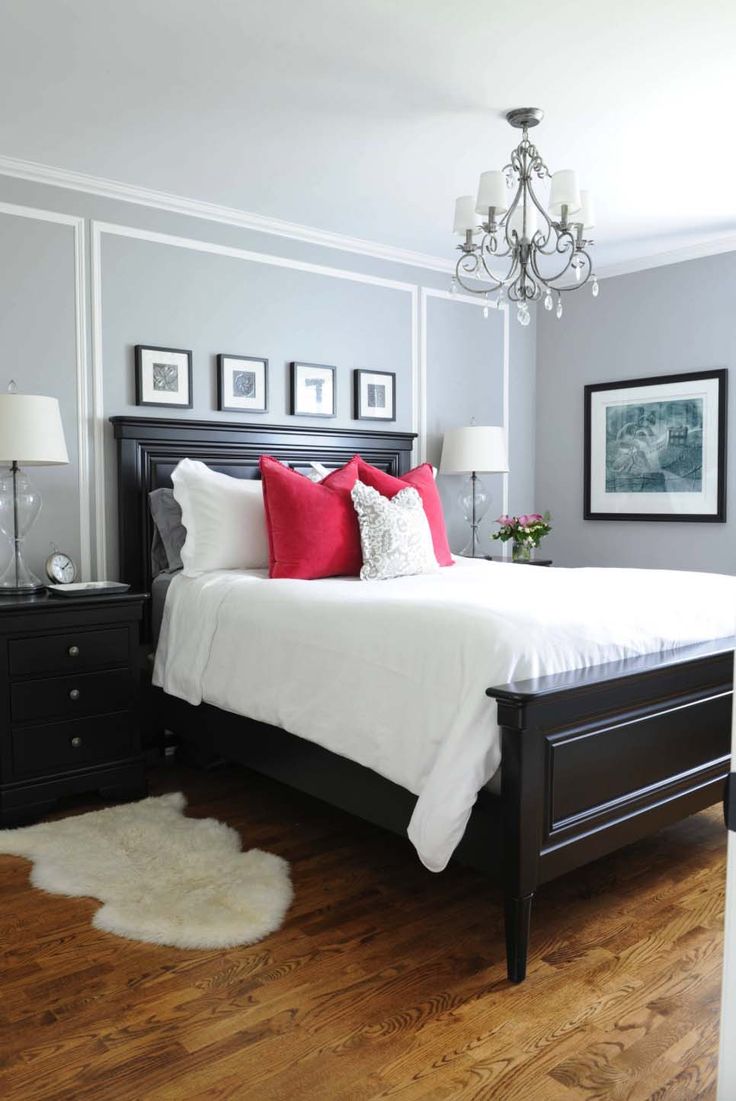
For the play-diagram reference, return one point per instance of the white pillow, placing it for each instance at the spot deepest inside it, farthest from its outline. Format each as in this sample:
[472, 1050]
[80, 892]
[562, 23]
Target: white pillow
[394, 533]
[224, 518]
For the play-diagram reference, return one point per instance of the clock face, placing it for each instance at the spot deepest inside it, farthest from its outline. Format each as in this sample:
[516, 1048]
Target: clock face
[60, 568]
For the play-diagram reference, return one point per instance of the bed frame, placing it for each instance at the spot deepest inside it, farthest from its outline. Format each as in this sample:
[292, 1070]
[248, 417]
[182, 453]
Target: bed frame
[591, 760]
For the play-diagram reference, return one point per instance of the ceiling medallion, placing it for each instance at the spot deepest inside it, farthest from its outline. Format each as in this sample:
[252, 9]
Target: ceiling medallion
[521, 250]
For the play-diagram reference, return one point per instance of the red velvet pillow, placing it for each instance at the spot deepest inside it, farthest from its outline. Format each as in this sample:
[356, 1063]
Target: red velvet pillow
[422, 478]
[312, 527]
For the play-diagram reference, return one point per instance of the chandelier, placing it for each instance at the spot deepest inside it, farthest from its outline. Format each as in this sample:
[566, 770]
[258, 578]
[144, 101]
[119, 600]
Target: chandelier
[520, 250]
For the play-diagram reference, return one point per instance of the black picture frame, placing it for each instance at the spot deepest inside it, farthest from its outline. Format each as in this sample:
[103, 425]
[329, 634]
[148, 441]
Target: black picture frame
[358, 415]
[222, 403]
[720, 375]
[294, 408]
[140, 350]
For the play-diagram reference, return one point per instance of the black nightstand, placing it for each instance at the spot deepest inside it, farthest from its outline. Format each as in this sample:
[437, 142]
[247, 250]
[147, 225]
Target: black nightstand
[69, 701]
[531, 562]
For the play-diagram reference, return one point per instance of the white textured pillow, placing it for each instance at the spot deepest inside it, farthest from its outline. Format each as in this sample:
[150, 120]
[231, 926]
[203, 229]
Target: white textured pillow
[224, 518]
[394, 533]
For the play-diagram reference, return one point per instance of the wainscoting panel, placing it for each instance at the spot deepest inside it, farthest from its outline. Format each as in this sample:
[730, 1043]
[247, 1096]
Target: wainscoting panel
[43, 347]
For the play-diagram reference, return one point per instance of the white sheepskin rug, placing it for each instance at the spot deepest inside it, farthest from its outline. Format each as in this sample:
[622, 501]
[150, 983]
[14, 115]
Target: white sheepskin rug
[162, 878]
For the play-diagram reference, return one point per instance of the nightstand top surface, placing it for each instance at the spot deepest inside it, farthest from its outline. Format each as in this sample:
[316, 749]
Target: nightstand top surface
[531, 562]
[46, 602]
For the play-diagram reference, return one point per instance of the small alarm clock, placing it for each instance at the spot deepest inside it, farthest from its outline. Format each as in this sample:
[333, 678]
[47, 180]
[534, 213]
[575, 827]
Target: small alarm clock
[60, 568]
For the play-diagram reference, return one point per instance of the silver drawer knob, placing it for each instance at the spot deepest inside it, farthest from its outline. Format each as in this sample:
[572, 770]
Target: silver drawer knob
[76, 741]
[73, 651]
[74, 694]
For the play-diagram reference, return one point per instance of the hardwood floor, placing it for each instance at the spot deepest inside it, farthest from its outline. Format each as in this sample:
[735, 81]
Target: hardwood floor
[385, 982]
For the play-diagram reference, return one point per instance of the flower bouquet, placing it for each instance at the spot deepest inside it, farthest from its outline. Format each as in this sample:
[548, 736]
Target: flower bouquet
[527, 532]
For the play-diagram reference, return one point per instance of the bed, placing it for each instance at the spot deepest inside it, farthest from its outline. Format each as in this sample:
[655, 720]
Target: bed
[590, 759]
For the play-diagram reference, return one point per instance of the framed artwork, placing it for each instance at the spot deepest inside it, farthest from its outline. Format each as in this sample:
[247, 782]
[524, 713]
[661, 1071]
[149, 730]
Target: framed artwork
[374, 394]
[242, 384]
[655, 448]
[163, 376]
[312, 390]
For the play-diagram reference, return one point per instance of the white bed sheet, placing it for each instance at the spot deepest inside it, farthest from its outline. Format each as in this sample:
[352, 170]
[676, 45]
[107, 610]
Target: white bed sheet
[392, 674]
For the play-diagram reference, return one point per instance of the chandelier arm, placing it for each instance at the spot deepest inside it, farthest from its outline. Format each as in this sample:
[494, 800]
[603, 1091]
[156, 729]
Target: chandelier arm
[463, 272]
[584, 280]
[564, 241]
[548, 221]
[503, 280]
[485, 248]
[469, 267]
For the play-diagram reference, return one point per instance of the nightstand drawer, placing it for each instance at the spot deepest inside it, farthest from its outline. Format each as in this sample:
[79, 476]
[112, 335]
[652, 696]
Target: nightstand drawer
[70, 697]
[38, 750]
[66, 653]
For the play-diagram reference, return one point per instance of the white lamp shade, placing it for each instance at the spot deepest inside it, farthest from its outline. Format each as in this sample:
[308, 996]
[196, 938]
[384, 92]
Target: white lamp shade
[31, 432]
[478, 447]
[492, 192]
[464, 215]
[516, 221]
[564, 192]
[587, 211]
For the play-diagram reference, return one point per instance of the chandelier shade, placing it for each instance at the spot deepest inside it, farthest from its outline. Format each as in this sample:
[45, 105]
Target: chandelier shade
[564, 192]
[492, 193]
[527, 248]
[465, 219]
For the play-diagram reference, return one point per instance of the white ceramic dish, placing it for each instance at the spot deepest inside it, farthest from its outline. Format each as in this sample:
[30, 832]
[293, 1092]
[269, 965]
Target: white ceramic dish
[88, 588]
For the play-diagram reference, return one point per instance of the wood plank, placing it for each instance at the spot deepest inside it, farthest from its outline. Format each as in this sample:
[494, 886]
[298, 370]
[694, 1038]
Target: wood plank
[385, 981]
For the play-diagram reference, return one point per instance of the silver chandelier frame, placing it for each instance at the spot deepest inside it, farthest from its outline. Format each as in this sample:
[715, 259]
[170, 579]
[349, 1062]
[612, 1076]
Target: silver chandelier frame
[524, 282]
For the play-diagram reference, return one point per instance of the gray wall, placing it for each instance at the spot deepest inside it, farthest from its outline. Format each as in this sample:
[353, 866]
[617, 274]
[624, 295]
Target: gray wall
[656, 322]
[152, 291]
[465, 353]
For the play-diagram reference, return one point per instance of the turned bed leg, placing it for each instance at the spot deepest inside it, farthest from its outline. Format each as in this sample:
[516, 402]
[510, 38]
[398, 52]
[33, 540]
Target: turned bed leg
[518, 912]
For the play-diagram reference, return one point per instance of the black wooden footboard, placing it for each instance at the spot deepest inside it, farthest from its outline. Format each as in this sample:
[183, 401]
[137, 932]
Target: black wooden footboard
[596, 759]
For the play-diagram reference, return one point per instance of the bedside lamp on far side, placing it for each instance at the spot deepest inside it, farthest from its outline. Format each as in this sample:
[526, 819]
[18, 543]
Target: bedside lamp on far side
[469, 450]
[31, 433]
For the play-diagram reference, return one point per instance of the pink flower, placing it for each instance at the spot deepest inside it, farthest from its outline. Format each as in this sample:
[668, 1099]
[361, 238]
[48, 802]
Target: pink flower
[524, 520]
[536, 516]
[503, 520]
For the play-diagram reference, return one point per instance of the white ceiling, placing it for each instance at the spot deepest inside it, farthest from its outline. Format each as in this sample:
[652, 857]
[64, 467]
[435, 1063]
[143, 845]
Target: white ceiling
[368, 117]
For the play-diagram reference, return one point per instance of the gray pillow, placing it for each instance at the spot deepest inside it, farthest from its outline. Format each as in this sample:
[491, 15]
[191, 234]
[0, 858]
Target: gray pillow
[168, 531]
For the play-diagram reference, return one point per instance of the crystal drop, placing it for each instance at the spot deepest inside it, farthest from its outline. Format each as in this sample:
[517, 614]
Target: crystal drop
[577, 273]
[524, 316]
[595, 288]
[558, 311]
[453, 286]
[12, 387]
[548, 301]
[485, 311]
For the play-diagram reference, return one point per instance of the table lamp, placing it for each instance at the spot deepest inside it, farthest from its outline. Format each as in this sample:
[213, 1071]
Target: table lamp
[31, 433]
[466, 451]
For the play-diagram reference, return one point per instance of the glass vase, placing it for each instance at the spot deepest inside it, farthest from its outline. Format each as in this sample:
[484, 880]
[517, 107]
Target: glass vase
[521, 552]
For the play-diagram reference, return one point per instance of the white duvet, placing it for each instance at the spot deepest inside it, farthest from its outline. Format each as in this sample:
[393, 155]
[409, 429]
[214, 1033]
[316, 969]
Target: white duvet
[392, 674]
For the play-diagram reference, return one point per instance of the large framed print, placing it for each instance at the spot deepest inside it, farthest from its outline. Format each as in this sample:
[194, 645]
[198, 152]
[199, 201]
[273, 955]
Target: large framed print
[655, 448]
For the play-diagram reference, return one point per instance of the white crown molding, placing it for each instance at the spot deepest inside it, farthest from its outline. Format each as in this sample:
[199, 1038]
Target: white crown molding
[101, 229]
[278, 227]
[80, 347]
[699, 250]
[212, 212]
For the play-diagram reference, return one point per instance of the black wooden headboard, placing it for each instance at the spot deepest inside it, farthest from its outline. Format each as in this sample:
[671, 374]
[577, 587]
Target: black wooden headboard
[150, 447]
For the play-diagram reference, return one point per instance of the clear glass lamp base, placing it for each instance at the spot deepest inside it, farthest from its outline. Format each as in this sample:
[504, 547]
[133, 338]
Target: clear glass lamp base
[474, 502]
[18, 579]
[20, 504]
